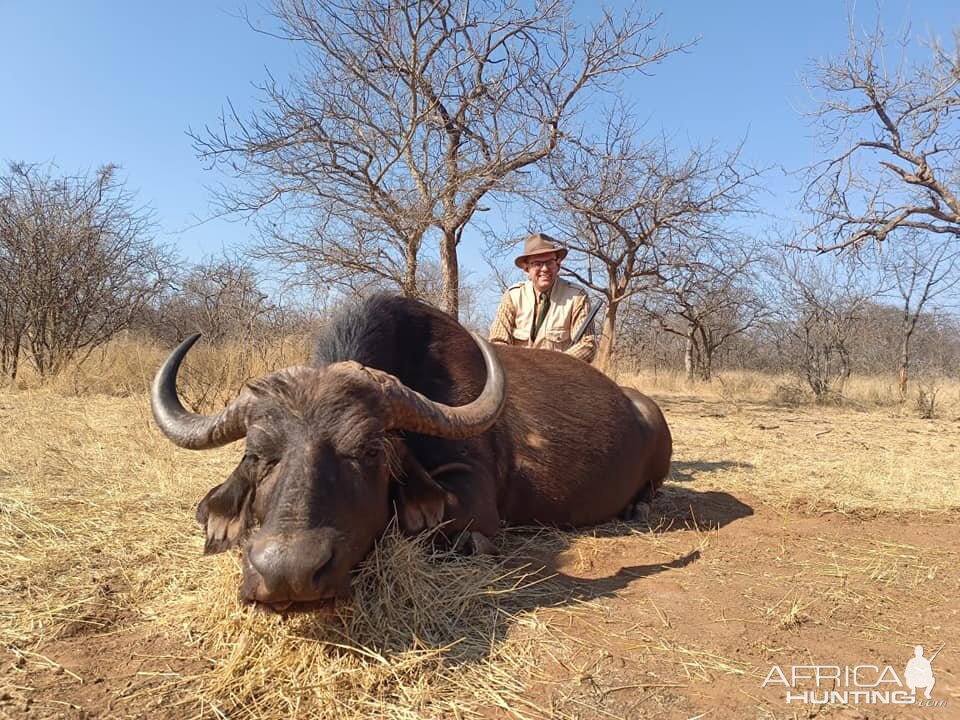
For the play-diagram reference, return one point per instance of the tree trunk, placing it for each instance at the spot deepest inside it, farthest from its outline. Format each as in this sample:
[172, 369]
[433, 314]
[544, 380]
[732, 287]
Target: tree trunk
[705, 355]
[688, 356]
[450, 273]
[904, 369]
[816, 378]
[409, 288]
[9, 364]
[705, 365]
[608, 338]
[846, 366]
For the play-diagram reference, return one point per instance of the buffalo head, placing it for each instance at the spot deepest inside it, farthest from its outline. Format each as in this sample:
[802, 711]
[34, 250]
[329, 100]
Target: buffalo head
[313, 484]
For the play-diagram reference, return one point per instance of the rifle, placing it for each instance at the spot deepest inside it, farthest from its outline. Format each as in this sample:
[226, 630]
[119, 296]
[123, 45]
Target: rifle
[586, 324]
[934, 656]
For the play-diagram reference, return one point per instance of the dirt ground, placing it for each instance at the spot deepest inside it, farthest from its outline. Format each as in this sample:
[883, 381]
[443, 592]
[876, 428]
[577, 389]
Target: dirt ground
[770, 546]
[696, 635]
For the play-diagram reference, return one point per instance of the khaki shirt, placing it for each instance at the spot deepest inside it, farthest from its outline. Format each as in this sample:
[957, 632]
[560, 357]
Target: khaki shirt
[569, 308]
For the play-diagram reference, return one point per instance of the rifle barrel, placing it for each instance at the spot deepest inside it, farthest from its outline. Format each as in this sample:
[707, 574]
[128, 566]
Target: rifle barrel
[586, 323]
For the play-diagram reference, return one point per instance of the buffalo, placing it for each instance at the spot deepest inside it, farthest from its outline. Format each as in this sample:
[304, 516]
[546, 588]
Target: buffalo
[405, 412]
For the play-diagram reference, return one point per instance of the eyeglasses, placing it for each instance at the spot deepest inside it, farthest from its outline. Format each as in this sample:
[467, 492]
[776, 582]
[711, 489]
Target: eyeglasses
[539, 264]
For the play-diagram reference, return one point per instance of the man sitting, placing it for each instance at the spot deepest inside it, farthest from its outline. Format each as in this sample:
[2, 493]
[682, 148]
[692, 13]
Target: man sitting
[544, 311]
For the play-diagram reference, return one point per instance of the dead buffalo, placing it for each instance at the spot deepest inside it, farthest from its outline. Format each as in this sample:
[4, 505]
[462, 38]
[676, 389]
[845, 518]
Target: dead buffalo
[404, 410]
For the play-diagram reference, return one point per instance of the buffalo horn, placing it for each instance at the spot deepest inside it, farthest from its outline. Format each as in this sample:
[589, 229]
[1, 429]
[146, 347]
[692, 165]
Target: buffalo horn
[416, 413]
[184, 428]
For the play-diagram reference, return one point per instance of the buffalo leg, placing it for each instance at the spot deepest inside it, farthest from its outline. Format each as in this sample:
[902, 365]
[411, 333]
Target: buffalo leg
[471, 517]
[639, 508]
[419, 500]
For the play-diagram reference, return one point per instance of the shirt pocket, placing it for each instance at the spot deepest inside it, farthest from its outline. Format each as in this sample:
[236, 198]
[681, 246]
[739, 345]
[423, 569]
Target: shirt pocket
[557, 335]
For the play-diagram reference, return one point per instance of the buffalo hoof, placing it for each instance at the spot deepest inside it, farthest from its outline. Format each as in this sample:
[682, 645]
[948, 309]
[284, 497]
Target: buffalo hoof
[474, 543]
[481, 544]
[638, 512]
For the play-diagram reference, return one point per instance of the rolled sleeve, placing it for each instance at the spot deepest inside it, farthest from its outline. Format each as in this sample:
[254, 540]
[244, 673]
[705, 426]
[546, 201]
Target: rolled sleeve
[501, 331]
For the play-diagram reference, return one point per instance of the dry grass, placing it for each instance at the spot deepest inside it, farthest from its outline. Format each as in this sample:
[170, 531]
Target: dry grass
[212, 375]
[818, 458]
[860, 392]
[97, 537]
[425, 635]
[99, 553]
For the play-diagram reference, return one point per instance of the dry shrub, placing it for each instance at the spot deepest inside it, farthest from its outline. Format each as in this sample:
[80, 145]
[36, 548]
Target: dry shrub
[658, 381]
[880, 391]
[927, 400]
[731, 386]
[872, 390]
[213, 375]
[790, 395]
[735, 385]
[122, 367]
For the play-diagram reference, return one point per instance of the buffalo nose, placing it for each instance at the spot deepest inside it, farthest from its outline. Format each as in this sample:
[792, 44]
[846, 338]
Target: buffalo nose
[290, 567]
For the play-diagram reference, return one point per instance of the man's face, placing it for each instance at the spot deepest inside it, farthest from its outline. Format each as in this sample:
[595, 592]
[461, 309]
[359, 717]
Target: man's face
[543, 270]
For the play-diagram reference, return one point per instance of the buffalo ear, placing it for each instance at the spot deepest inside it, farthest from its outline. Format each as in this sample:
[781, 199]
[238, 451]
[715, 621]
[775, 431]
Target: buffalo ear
[226, 511]
[203, 509]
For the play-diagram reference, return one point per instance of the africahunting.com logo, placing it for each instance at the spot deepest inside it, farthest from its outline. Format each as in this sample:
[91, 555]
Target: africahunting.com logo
[859, 684]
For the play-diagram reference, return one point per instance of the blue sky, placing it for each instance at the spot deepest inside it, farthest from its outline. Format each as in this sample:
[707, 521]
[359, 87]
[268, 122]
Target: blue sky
[86, 83]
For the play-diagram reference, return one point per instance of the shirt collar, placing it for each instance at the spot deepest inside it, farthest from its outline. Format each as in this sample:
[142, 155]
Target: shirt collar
[541, 295]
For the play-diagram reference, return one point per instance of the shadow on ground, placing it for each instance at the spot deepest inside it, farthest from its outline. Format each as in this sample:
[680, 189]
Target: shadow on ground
[681, 508]
[687, 471]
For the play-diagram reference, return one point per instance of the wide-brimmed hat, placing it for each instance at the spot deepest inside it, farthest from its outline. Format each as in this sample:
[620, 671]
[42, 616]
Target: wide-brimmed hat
[538, 244]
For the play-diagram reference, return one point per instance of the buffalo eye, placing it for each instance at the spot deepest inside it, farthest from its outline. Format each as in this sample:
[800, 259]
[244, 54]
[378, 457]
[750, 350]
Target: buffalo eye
[368, 453]
[262, 465]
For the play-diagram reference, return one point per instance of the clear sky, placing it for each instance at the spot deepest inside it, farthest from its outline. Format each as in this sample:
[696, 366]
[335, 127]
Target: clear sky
[86, 83]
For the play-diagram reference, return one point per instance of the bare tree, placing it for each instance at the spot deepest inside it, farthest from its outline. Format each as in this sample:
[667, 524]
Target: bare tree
[877, 346]
[922, 268]
[224, 298]
[405, 116]
[891, 130]
[331, 249]
[823, 304]
[77, 262]
[627, 209]
[707, 298]
[14, 312]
